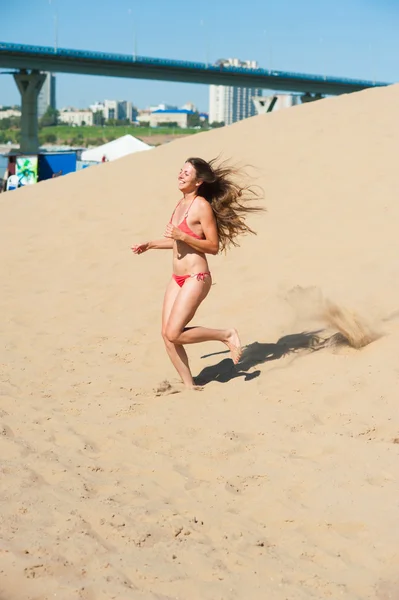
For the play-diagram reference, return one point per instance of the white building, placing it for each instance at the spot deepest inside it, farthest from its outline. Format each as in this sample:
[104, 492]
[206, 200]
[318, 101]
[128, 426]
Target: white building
[190, 106]
[46, 96]
[228, 104]
[76, 117]
[111, 109]
[176, 116]
[115, 109]
[161, 106]
[144, 115]
[9, 112]
[217, 101]
[125, 111]
[108, 109]
[97, 107]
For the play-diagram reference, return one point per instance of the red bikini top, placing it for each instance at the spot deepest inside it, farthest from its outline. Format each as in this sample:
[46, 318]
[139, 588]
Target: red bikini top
[183, 226]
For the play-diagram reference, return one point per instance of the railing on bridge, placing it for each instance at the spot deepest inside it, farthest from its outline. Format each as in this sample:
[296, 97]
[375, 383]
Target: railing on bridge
[109, 57]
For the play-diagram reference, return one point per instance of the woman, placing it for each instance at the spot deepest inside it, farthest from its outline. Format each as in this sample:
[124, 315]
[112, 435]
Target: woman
[208, 218]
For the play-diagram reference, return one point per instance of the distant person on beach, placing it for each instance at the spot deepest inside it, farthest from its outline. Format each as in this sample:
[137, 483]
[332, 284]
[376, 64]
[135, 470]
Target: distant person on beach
[207, 219]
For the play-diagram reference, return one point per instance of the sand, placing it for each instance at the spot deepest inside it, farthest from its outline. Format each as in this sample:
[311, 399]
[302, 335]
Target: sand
[280, 479]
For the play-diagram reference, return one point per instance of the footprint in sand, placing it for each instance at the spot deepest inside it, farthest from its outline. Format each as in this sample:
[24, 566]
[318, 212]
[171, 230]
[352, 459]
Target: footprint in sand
[239, 484]
[166, 389]
[6, 430]
[134, 409]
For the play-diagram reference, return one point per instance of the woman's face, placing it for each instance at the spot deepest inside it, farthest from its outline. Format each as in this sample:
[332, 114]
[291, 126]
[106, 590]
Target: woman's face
[187, 179]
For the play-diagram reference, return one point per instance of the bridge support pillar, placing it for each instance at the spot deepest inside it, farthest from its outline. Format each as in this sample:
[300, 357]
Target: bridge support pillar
[29, 85]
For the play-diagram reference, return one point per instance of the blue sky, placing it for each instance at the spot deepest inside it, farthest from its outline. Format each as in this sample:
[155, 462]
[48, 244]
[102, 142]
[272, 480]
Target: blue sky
[351, 38]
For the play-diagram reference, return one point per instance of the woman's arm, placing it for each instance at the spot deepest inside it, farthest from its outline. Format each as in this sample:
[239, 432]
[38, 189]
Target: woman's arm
[163, 244]
[210, 245]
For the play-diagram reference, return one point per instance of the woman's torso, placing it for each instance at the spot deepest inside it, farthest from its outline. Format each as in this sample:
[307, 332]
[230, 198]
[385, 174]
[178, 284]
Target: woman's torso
[187, 260]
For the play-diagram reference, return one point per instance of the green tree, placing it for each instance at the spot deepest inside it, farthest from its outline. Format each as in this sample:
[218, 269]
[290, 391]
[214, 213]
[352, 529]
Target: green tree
[98, 118]
[194, 120]
[10, 123]
[216, 124]
[50, 117]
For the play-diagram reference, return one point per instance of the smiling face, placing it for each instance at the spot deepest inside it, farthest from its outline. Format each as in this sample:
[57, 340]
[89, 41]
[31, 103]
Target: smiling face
[187, 179]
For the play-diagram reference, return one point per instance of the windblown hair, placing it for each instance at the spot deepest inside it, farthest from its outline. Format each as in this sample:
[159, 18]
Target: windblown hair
[229, 199]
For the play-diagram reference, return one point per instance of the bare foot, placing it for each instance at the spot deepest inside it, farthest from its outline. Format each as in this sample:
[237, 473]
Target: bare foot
[195, 388]
[234, 345]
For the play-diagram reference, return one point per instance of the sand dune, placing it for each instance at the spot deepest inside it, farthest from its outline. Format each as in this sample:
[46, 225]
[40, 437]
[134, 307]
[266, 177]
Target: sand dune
[280, 479]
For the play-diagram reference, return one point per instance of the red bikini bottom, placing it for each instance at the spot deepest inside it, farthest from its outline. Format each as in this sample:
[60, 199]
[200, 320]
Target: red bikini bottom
[180, 279]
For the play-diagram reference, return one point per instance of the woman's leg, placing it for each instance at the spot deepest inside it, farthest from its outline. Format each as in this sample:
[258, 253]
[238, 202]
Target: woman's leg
[176, 352]
[183, 310]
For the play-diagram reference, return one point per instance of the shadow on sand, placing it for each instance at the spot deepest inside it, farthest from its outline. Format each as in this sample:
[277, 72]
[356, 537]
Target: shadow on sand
[258, 353]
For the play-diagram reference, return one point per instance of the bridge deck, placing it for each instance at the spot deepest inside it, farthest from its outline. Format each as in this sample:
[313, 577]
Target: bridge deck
[63, 60]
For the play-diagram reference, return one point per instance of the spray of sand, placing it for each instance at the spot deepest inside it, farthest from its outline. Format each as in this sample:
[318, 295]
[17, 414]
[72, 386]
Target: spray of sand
[343, 326]
[353, 328]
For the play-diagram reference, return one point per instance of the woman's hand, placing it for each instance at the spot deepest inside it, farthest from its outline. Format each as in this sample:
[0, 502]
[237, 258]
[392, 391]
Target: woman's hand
[140, 248]
[174, 233]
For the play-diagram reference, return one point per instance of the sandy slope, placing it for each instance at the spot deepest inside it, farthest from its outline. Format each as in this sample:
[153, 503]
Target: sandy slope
[280, 480]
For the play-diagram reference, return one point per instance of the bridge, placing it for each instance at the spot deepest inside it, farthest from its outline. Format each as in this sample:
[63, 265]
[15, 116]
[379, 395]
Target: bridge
[30, 61]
